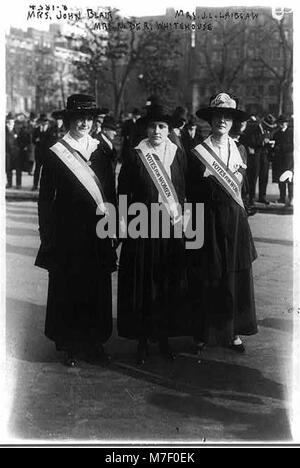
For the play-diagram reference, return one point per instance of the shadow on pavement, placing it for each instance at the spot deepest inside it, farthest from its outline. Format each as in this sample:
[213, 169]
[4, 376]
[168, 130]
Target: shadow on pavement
[21, 231]
[17, 249]
[212, 394]
[31, 218]
[277, 324]
[241, 425]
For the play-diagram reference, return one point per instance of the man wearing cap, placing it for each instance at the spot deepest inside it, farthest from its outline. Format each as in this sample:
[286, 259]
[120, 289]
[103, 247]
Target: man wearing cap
[42, 138]
[283, 163]
[259, 149]
[130, 133]
[76, 185]
[191, 134]
[106, 138]
[12, 152]
[58, 129]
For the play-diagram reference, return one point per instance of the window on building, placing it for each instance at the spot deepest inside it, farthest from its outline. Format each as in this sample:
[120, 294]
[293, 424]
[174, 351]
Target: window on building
[272, 90]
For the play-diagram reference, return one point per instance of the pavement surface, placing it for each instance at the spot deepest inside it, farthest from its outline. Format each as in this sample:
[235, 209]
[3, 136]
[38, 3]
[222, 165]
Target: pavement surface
[224, 398]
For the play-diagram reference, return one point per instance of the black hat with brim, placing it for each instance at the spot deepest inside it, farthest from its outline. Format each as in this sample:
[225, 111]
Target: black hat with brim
[109, 123]
[208, 112]
[156, 114]
[222, 104]
[57, 114]
[283, 118]
[80, 104]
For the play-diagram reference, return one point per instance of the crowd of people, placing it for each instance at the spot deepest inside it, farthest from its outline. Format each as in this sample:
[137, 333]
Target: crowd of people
[268, 143]
[164, 289]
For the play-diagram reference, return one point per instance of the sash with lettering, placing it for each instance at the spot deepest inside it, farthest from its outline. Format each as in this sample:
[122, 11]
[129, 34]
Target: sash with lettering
[86, 176]
[222, 174]
[162, 181]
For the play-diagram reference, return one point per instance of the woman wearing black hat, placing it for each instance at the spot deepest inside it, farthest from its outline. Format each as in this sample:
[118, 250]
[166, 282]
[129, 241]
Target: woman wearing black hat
[152, 270]
[76, 181]
[220, 274]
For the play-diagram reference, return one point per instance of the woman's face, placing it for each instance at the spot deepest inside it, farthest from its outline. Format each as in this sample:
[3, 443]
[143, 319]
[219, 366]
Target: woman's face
[221, 124]
[157, 132]
[81, 126]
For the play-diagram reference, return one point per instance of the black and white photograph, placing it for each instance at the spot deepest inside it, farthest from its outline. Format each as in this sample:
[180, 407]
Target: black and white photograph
[149, 289]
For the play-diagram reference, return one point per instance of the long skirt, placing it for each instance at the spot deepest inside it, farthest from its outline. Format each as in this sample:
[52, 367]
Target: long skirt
[224, 308]
[152, 289]
[79, 309]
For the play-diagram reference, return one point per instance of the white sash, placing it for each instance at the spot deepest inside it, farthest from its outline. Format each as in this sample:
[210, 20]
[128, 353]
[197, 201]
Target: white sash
[82, 171]
[218, 169]
[161, 181]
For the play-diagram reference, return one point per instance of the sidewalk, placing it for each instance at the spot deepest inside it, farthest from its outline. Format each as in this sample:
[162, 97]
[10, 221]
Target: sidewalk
[272, 194]
[222, 397]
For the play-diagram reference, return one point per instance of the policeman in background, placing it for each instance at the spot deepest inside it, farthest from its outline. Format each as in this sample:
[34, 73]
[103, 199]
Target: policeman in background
[12, 152]
[283, 164]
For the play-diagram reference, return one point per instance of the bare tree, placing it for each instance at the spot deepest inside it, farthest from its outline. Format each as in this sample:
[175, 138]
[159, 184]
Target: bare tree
[278, 33]
[114, 56]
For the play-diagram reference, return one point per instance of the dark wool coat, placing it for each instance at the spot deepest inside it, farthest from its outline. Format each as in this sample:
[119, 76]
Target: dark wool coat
[152, 274]
[220, 277]
[283, 153]
[79, 263]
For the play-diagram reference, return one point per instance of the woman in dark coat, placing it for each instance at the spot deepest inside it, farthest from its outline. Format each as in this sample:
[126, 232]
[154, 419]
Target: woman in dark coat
[152, 275]
[76, 179]
[220, 273]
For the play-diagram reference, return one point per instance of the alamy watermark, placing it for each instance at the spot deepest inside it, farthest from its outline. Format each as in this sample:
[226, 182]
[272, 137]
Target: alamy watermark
[139, 220]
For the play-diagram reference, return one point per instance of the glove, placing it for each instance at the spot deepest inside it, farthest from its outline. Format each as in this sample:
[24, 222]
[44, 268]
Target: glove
[286, 176]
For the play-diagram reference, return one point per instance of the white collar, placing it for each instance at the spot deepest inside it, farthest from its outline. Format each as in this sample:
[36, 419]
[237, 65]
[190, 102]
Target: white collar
[92, 144]
[107, 140]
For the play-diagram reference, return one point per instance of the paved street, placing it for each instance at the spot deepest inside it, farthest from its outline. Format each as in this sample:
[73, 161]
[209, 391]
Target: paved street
[226, 397]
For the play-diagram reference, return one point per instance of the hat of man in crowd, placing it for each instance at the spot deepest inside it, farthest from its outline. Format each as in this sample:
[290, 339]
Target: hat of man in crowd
[43, 118]
[269, 121]
[10, 116]
[32, 116]
[156, 113]
[179, 117]
[283, 118]
[222, 104]
[136, 111]
[58, 114]
[192, 121]
[80, 104]
[109, 122]
[103, 111]
[152, 101]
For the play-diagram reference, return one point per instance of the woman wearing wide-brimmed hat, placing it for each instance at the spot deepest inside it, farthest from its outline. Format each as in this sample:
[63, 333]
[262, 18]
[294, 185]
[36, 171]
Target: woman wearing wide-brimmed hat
[76, 181]
[152, 276]
[220, 274]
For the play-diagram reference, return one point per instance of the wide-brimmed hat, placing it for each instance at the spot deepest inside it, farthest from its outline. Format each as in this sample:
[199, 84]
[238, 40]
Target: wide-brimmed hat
[109, 122]
[283, 118]
[78, 104]
[156, 113]
[269, 121]
[222, 103]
